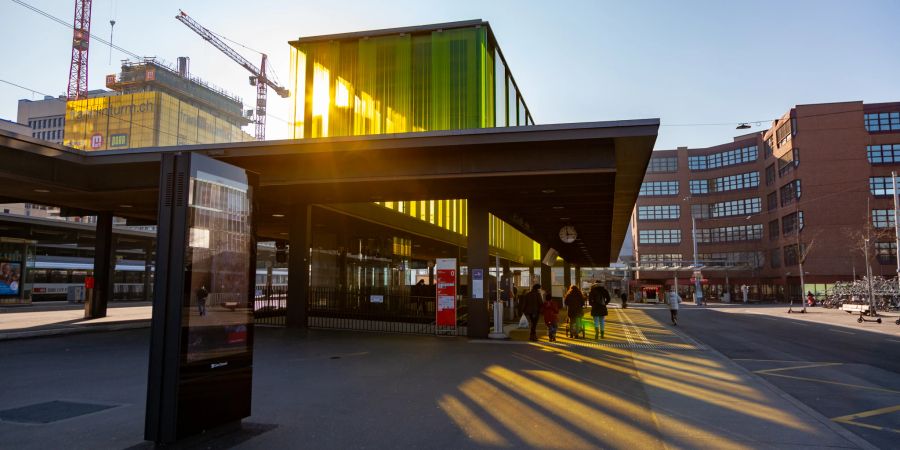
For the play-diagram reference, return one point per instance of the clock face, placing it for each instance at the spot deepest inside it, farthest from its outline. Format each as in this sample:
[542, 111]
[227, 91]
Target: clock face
[567, 234]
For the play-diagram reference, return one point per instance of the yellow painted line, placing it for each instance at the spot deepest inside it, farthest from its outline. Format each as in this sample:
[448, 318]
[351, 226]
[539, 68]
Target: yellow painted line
[770, 360]
[874, 412]
[869, 388]
[806, 366]
[848, 419]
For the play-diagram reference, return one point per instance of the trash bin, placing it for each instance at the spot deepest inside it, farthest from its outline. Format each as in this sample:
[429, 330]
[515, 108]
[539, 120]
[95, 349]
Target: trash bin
[479, 324]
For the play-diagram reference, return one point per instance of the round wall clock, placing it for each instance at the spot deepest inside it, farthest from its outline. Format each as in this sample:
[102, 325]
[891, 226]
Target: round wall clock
[567, 234]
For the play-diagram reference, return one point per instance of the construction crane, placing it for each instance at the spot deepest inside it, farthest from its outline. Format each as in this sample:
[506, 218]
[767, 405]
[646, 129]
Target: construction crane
[258, 77]
[81, 38]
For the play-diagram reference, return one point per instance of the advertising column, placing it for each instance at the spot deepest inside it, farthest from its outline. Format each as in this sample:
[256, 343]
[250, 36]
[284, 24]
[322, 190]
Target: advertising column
[445, 312]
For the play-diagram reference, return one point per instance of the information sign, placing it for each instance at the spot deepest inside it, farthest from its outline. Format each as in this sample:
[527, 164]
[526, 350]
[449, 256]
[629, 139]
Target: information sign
[445, 312]
[477, 283]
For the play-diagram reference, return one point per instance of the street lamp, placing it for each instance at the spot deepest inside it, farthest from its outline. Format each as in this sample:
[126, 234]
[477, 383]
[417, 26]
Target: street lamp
[698, 288]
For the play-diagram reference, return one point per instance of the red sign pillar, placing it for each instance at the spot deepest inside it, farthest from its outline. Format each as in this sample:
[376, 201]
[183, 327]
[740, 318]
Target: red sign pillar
[445, 310]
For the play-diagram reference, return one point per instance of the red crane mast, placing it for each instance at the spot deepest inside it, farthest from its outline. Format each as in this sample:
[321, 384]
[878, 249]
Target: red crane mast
[81, 36]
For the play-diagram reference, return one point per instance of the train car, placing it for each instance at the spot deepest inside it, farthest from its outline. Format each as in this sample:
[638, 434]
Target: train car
[53, 275]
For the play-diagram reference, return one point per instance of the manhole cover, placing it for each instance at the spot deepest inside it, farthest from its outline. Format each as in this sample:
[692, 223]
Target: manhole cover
[50, 411]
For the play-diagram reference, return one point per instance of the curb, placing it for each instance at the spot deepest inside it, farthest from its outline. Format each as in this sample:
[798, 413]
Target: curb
[114, 326]
[841, 431]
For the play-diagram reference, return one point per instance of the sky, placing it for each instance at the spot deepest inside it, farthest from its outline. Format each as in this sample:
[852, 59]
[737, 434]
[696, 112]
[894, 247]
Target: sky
[701, 67]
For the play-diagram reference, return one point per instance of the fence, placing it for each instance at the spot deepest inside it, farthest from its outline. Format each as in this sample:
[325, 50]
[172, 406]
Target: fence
[392, 310]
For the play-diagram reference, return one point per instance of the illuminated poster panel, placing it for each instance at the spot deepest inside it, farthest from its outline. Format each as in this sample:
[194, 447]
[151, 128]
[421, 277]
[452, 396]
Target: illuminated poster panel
[202, 328]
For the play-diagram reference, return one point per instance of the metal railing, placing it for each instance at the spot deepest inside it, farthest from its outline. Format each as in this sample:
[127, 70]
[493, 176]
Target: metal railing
[391, 310]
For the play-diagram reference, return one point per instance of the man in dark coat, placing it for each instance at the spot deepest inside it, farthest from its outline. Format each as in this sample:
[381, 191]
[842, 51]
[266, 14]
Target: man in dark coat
[531, 307]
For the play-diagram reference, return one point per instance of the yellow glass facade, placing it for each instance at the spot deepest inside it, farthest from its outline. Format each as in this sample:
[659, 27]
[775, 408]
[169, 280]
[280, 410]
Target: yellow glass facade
[442, 79]
[145, 119]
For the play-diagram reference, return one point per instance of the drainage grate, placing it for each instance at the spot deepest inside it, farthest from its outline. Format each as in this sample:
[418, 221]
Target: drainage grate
[50, 411]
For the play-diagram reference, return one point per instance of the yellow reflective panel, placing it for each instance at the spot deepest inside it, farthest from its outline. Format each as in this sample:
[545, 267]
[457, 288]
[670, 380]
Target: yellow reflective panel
[321, 100]
[342, 93]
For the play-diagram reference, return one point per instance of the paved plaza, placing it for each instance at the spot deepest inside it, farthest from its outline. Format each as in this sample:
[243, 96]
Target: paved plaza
[647, 385]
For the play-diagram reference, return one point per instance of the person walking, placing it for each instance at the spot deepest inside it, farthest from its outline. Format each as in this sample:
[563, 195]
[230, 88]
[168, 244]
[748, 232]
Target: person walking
[674, 301]
[574, 301]
[551, 317]
[623, 296]
[531, 307]
[202, 294]
[599, 313]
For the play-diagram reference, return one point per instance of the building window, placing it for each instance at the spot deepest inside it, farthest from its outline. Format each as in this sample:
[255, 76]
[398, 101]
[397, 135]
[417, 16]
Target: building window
[774, 230]
[659, 212]
[730, 234]
[737, 207]
[886, 252]
[775, 258]
[723, 159]
[790, 192]
[660, 257]
[768, 147]
[772, 201]
[886, 121]
[883, 218]
[659, 236]
[791, 255]
[784, 132]
[881, 186]
[701, 211]
[770, 174]
[788, 161]
[883, 154]
[723, 184]
[656, 188]
[663, 164]
[791, 223]
[750, 259]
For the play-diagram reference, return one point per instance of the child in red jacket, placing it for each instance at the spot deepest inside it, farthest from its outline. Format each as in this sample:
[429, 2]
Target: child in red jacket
[551, 317]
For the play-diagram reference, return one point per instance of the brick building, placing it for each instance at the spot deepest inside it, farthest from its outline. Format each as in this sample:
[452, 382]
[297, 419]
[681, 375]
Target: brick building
[817, 184]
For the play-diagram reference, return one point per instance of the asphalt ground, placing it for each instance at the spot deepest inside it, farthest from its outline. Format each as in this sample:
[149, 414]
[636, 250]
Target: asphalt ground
[846, 371]
[646, 385]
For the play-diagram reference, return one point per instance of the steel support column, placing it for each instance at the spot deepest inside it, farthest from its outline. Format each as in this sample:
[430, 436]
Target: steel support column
[546, 271]
[299, 229]
[567, 276]
[104, 265]
[478, 257]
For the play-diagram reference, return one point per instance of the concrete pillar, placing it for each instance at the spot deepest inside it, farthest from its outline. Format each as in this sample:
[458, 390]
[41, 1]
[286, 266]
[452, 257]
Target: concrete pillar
[567, 275]
[578, 276]
[300, 231]
[546, 271]
[477, 257]
[104, 265]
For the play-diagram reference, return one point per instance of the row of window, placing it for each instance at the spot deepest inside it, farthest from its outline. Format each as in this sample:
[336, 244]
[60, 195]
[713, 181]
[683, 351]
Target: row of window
[785, 131]
[660, 257]
[39, 124]
[649, 188]
[663, 164]
[752, 259]
[659, 236]
[791, 255]
[886, 252]
[730, 234]
[886, 121]
[723, 184]
[659, 212]
[883, 154]
[723, 159]
[48, 135]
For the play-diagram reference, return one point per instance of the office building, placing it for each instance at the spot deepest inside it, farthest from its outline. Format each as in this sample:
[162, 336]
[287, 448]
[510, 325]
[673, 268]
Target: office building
[816, 185]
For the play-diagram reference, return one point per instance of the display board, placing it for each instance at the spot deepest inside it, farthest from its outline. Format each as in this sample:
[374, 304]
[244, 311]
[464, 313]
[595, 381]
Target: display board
[202, 328]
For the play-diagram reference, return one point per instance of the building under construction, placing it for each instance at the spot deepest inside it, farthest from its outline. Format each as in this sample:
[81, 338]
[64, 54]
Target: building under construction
[154, 105]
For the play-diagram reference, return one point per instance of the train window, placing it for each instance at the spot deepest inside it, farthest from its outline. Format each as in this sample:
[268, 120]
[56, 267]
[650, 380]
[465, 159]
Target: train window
[40, 275]
[78, 276]
[134, 277]
[59, 276]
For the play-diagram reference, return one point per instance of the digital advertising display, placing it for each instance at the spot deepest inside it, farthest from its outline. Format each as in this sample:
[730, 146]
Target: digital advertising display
[10, 277]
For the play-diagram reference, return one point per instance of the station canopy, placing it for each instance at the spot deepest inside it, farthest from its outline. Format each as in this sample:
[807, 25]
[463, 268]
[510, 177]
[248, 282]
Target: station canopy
[536, 178]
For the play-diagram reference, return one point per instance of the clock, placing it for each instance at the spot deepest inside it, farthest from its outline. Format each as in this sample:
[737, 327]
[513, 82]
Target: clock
[567, 234]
